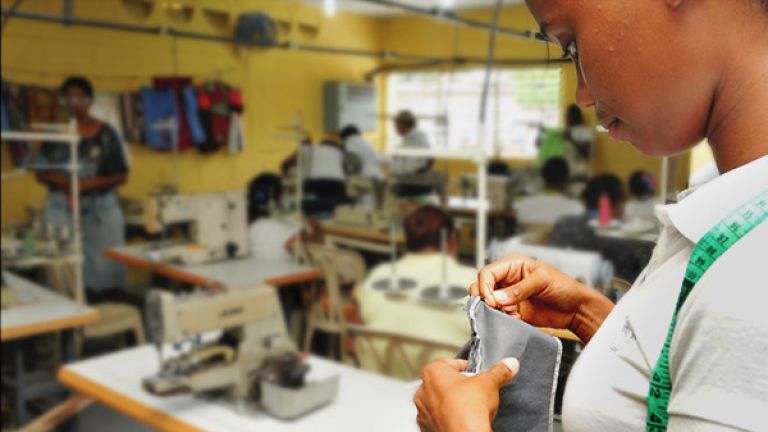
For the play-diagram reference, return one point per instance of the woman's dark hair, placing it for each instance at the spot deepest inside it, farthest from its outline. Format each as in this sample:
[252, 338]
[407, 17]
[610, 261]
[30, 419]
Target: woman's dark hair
[573, 116]
[423, 227]
[80, 82]
[641, 184]
[262, 191]
[348, 131]
[607, 184]
[555, 172]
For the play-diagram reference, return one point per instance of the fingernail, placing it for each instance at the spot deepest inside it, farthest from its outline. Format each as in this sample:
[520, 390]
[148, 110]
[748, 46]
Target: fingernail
[512, 363]
[500, 296]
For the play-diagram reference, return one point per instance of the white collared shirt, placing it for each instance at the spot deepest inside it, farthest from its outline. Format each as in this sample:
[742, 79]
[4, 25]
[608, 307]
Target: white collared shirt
[719, 353]
[322, 162]
[364, 150]
[414, 138]
[547, 208]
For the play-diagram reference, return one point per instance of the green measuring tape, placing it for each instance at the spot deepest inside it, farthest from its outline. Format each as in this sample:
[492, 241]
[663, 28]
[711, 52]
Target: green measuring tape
[714, 243]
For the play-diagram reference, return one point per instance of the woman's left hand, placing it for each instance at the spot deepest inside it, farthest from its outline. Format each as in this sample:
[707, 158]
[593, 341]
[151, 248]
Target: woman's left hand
[450, 401]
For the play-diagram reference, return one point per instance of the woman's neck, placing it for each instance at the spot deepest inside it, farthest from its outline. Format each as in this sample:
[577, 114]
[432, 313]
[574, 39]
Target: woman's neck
[737, 129]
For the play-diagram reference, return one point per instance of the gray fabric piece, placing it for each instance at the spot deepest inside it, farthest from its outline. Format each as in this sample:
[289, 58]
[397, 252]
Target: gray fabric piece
[527, 403]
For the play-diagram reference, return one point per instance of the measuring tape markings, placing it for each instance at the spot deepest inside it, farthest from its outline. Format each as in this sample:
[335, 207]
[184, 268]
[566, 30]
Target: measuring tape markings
[707, 250]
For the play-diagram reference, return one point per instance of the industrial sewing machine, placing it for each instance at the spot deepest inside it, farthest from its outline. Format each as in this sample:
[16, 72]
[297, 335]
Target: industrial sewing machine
[219, 225]
[374, 207]
[377, 204]
[254, 359]
[498, 191]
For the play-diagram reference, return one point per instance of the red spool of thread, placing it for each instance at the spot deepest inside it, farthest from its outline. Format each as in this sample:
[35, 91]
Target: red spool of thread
[604, 210]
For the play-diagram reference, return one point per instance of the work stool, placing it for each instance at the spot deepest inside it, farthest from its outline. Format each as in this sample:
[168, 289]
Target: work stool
[116, 319]
[340, 268]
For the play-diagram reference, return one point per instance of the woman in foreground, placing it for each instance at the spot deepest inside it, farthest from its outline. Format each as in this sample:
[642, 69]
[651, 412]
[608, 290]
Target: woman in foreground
[662, 74]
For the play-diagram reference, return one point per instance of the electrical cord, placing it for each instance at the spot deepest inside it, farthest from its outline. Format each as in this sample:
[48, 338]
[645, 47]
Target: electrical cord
[9, 14]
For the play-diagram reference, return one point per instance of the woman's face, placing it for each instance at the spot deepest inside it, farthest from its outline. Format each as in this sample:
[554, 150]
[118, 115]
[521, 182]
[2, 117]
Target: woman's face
[77, 101]
[640, 64]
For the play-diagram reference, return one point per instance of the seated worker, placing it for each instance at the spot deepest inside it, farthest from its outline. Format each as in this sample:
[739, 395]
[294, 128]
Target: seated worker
[356, 145]
[323, 174]
[550, 206]
[642, 187]
[273, 237]
[422, 263]
[498, 167]
[629, 257]
[406, 127]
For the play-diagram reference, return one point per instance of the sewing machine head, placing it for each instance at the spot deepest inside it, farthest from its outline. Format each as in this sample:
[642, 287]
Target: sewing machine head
[219, 225]
[375, 206]
[251, 359]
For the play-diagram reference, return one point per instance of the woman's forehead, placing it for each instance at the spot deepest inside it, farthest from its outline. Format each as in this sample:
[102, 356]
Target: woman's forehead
[547, 11]
[543, 9]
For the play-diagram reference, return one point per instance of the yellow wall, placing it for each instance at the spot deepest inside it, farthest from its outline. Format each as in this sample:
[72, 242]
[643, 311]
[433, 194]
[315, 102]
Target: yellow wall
[277, 84]
[413, 34]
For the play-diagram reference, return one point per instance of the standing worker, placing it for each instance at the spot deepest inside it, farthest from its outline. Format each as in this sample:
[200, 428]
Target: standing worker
[685, 348]
[406, 127]
[103, 167]
[412, 137]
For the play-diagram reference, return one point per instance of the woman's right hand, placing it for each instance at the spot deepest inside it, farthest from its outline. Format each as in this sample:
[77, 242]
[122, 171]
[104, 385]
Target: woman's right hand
[541, 295]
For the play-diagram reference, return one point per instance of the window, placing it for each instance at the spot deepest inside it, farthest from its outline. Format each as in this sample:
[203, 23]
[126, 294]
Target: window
[447, 106]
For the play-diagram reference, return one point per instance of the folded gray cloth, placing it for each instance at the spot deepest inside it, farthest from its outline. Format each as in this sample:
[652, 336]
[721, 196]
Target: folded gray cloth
[527, 403]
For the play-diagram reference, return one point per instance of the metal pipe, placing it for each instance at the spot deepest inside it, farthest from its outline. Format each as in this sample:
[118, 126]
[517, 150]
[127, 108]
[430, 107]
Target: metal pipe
[482, 174]
[7, 18]
[448, 15]
[170, 31]
[460, 61]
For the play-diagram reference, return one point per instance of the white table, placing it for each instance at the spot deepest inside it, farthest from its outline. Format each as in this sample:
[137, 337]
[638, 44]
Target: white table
[40, 310]
[365, 402]
[235, 272]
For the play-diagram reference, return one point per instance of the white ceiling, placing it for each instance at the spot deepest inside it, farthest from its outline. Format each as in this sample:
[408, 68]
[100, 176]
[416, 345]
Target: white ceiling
[365, 8]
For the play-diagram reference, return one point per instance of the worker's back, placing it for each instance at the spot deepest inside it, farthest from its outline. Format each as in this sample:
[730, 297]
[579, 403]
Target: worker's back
[408, 315]
[546, 208]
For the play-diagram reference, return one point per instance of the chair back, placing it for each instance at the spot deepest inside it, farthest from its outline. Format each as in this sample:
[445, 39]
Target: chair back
[393, 354]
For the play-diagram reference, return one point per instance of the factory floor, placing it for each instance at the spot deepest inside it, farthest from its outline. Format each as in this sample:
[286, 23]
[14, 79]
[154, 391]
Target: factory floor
[96, 417]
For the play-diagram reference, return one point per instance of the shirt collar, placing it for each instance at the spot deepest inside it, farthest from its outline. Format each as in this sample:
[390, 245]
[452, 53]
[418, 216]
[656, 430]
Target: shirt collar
[700, 208]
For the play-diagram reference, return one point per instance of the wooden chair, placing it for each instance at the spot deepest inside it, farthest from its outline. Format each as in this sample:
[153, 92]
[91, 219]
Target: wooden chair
[340, 268]
[395, 355]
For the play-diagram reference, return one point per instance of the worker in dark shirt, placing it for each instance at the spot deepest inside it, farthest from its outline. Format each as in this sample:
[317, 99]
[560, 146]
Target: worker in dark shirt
[628, 256]
[103, 167]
